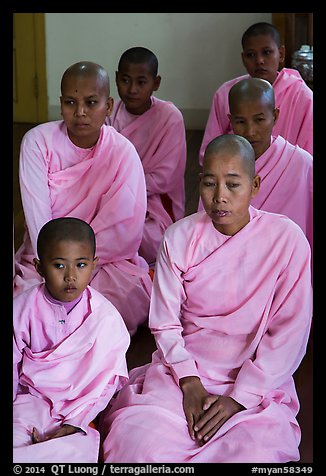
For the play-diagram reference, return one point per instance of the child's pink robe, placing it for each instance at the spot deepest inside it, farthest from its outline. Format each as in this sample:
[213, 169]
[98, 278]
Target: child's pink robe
[293, 98]
[235, 311]
[67, 367]
[104, 186]
[159, 137]
[286, 173]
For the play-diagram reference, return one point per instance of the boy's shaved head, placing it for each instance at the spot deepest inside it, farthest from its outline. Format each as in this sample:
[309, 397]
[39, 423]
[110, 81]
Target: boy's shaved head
[262, 28]
[137, 55]
[65, 229]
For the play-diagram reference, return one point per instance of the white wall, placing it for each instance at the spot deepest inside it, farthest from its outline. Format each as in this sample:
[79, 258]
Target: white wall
[197, 52]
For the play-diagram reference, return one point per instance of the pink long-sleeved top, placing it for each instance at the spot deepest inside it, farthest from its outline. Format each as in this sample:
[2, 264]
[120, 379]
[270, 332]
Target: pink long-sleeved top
[67, 366]
[236, 312]
[159, 137]
[103, 185]
[293, 98]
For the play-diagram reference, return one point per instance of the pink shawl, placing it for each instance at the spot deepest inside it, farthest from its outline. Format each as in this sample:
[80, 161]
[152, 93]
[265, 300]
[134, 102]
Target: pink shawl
[287, 183]
[159, 138]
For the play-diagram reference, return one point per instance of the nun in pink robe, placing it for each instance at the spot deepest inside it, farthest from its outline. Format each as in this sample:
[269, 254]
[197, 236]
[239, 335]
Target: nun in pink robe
[235, 311]
[245, 341]
[103, 185]
[293, 98]
[67, 367]
[159, 137]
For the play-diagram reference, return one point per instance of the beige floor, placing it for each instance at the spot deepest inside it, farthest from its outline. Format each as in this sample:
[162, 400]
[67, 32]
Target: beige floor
[142, 344]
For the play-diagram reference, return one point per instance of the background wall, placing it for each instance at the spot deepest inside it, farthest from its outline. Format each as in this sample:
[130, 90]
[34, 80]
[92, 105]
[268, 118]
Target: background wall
[197, 52]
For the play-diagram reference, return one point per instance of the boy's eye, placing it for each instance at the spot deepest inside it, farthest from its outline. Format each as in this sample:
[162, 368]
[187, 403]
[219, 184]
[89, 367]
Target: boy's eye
[58, 265]
[81, 265]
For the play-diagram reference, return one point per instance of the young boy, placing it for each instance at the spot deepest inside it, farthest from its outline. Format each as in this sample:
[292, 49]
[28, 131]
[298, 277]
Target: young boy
[230, 311]
[69, 351]
[156, 129]
[286, 170]
[80, 167]
[262, 55]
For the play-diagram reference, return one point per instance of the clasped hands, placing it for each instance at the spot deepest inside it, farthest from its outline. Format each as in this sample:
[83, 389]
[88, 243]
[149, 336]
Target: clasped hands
[205, 413]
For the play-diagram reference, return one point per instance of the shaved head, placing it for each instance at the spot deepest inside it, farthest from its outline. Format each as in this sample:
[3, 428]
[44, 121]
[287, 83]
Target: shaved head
[138, 55]
[262, 28]
[87, 69]
[235, 145]
[65, 229]
[252, 89]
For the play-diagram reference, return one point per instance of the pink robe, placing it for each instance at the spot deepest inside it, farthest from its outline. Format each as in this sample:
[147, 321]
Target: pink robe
[67, 367]
[286, 173]
[104, 186]
[287, 183]
[293, 98]
[159, 138]
[235, 311]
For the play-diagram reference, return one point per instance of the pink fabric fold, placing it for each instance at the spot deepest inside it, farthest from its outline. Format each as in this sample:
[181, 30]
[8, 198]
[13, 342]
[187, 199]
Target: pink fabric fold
[287, 183]
[159, 138]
